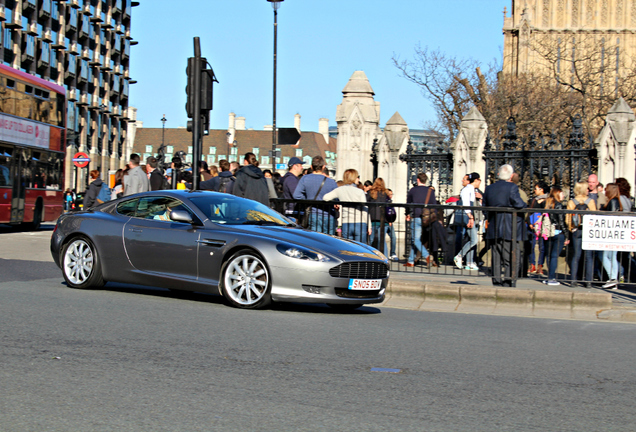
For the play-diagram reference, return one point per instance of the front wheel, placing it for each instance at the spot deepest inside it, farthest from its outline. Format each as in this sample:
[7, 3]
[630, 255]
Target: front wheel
[245, 281]
[81, 266]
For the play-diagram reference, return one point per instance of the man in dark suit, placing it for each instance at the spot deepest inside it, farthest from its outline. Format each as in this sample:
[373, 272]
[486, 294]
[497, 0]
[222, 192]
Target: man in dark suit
[504, 193]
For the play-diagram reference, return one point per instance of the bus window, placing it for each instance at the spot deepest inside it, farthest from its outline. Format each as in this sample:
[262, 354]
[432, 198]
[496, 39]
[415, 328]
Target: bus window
[5, 167]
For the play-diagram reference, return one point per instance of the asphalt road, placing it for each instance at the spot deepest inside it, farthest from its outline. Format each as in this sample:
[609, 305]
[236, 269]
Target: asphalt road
[134, 359]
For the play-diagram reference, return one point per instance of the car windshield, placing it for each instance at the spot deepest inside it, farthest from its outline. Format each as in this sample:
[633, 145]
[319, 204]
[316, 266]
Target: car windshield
[231, 210]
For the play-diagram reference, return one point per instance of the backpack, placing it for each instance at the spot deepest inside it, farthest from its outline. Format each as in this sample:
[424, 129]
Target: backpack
[577, 219]
[104, 194]
[224, 182]
[544, 227]
[390, 214]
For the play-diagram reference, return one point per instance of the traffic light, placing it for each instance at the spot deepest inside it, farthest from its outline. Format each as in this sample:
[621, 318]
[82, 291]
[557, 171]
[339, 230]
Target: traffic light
[190, 71]
[207, 80]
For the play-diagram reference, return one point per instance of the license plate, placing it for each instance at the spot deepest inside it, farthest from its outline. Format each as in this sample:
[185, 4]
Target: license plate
[364, 284]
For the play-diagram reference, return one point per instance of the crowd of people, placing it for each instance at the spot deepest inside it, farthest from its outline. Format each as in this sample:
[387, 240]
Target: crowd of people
[541, 237]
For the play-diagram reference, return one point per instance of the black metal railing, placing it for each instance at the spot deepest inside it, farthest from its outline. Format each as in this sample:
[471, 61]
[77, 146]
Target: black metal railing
[530, 256]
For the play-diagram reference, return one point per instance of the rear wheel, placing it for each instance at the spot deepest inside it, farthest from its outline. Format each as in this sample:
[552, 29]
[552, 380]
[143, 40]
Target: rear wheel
[80, 265]
[245, 281]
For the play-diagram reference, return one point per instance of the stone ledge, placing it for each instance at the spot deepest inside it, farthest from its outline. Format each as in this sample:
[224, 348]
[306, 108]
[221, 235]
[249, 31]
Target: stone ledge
[500, 301]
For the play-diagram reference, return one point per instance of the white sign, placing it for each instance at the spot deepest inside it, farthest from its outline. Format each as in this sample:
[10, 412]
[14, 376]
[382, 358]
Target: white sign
[616, 233]
[22, 131]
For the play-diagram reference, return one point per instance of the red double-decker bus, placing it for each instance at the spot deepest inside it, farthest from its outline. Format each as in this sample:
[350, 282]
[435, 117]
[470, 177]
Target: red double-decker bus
[32, 136]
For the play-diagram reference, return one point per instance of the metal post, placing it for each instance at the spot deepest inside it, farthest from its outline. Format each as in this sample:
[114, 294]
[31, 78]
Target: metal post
[197, 122]
[274, 135]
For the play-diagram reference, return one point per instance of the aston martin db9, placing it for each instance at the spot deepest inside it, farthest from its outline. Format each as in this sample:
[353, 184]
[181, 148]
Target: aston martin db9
[216, 243]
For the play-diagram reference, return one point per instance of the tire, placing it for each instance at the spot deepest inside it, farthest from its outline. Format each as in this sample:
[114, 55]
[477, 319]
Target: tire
[344, 307]
[80, 264]
[245, 281]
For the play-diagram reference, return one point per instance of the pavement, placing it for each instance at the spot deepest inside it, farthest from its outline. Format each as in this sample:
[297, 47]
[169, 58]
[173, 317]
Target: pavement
[467, 293]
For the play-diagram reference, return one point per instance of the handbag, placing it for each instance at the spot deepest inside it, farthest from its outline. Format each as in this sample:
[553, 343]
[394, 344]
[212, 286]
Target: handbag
[304, 219]
[460, 218]
[428, 216]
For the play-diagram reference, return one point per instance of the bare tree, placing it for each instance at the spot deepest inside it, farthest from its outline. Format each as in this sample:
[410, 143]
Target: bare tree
[543, 100]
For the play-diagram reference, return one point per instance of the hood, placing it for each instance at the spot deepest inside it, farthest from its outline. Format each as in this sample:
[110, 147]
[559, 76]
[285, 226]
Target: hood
[252, 171]
[225, 174]
[98, 182]
[339, 248]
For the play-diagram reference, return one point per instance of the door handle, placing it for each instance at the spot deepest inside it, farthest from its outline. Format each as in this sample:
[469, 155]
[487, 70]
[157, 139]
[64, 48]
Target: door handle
[137, 230]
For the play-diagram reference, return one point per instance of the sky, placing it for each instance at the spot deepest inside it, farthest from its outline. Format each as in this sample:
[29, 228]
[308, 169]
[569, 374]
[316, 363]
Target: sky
[321, 43]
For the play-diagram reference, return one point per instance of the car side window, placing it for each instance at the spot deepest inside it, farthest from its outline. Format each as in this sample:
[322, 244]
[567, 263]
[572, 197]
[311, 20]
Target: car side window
[159, 208]
[127, 208]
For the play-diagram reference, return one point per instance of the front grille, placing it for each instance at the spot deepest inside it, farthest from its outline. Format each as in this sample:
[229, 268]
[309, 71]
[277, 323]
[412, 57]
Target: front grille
[357, 294]
[360, 270]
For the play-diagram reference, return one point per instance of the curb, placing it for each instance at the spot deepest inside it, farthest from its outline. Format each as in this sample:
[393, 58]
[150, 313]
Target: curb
[504, 301]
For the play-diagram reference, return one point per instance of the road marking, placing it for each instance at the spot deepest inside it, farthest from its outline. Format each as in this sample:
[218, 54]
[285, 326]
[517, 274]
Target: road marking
[388, 370]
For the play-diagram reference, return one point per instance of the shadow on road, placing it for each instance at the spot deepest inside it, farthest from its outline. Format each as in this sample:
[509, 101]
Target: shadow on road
[314, 308]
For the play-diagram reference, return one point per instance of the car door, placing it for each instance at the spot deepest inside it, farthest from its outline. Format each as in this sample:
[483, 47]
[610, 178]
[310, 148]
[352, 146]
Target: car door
[158, 245]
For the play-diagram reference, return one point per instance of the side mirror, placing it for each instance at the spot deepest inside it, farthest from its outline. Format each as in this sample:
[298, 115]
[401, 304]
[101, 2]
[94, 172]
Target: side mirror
[181, 216]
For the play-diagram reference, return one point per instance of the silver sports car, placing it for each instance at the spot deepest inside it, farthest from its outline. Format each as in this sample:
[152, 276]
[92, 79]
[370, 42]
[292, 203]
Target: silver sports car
[217, 243]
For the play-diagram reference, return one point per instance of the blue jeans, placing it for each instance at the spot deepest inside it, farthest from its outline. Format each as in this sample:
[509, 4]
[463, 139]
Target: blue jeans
[375, 234]
[416, 240]
[470, 246]
[610, 264]
[555, 245]
[391, 231]
[355, 231]
[577, 251]
[322, 222]
[533, 242]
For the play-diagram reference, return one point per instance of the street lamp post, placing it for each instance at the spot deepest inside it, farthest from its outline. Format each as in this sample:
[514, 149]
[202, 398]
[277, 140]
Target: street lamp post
[275, 5]
[234, 145]
[228, 135]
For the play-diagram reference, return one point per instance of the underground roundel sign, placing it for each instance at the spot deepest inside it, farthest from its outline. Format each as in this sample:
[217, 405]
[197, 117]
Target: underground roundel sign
[81, 159]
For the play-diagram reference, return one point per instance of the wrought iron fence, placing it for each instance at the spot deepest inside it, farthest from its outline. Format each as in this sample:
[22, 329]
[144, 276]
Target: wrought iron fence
[556, 161]
[444, 239]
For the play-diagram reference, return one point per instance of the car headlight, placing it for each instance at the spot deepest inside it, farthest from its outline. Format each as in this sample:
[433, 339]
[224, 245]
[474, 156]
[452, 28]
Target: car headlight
[302, 253]
[380, 254]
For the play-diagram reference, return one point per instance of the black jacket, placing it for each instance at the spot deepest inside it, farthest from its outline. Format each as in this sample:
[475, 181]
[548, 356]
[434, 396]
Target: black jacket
[250, 183]
[375, 212]
[504, 194]
[558, 220]
[156, 180]
[90, 199]
[613, 205]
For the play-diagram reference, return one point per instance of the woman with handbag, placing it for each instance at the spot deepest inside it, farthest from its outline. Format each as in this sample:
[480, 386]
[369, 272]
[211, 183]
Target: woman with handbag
[378, 194]
[554, 227]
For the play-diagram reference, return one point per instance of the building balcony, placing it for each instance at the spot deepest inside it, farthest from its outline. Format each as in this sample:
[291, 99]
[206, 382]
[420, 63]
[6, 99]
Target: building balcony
[74, 48]
[47, 36]
[32, 29]
[95, 61]
[85, 54]
[59, 43]
[83, 100]
[118, 70]
[119, 28]
[2, 15]
[15, 23]
[86, 9]
[74, 3]
[71, 95]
